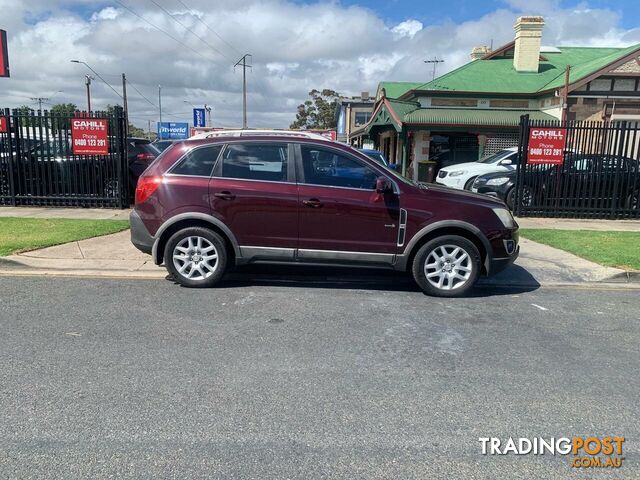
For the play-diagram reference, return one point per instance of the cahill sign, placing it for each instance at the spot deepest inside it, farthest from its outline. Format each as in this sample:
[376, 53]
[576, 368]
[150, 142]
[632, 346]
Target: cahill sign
[90, 136]
[546, 145]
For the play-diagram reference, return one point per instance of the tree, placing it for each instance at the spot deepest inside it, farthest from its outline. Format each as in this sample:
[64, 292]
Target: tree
[61, 114]
[319, 112]
[25, 113]
[132, 129]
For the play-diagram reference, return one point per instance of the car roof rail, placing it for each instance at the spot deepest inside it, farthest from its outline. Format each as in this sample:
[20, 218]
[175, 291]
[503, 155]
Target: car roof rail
[258, 133]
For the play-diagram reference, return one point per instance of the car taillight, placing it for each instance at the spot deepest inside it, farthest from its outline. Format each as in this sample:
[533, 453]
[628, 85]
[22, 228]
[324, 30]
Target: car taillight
[145, 157]
[146, 186]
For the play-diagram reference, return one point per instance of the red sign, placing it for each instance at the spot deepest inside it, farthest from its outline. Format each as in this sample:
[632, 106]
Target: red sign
[328, 134]
[4, 125]
[4, 55]
[546, 145]
[90, 136]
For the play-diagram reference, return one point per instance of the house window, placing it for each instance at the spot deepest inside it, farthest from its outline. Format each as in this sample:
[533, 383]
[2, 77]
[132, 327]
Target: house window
[361, 118]
[624, 84]
[600, 85]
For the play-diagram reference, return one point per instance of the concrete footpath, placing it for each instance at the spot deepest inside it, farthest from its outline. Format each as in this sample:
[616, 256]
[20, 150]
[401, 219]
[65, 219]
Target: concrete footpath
[114, 256]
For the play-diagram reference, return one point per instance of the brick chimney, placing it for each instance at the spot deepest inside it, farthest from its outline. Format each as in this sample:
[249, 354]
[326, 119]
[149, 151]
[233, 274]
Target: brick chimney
[526, 55]
[479, 52]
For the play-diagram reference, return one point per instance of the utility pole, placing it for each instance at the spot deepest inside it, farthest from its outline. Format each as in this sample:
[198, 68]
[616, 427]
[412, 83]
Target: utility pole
[87, 82]
[149, 129]
[243, 62]
[125, 106]
[40, 100]
[435, 62]
[207, 109]
[160, 101]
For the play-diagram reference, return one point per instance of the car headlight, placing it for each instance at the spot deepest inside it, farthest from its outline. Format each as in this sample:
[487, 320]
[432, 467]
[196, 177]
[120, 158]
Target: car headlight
[505, 217]
[498, 181]
[457, 173]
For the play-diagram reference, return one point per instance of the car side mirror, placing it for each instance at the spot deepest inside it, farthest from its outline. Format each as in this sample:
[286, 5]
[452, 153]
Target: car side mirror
[506, 161]
[383, 185]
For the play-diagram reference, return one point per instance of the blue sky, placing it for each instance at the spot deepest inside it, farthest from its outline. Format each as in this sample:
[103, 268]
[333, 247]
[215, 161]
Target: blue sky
[433, 12]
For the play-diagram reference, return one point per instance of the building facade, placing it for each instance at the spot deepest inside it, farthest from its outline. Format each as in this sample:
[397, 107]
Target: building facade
[475, 110]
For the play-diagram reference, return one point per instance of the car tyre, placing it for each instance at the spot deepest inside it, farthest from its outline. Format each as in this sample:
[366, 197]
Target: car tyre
[467, 186]
[447, 266]
[633, 201]
[510, 198]
[196, 257]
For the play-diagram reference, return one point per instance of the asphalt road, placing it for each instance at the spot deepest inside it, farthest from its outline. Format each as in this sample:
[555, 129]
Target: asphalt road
[294, 378]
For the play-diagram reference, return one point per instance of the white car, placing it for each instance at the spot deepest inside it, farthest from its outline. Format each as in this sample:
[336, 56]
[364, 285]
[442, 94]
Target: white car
[462, 175]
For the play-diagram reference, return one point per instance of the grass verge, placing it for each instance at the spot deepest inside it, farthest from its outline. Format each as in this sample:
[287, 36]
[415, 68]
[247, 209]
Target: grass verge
[613, 249]
[23, 234]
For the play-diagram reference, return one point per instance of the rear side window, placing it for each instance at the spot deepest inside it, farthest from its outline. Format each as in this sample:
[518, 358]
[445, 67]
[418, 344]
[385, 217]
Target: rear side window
[198, 162]
[255, 161]
[330, 168]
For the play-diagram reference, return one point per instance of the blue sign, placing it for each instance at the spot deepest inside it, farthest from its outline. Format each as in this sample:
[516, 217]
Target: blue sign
[198, 117]
[173, 131]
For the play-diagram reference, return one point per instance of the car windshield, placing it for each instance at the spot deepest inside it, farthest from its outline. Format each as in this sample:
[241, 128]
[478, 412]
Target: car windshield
[496, 157]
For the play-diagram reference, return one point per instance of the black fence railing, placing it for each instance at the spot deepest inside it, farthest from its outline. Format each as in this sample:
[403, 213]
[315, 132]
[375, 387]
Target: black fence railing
[38, 165]
[596, 176]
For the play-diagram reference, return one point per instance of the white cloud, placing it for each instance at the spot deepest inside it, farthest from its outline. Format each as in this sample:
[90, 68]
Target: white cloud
[295, 47]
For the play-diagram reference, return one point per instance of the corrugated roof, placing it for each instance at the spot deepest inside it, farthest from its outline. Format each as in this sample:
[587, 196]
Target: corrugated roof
[397, 89]
[471, 116]
[497, 75]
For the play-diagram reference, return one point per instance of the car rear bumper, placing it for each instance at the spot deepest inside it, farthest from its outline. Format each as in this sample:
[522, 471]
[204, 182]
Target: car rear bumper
[140, 236]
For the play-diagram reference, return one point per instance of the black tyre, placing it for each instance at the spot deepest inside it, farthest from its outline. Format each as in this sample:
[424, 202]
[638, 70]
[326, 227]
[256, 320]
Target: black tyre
[633, 201]
[510, 198]
[467, 186]
[196, 257]
[447, 266]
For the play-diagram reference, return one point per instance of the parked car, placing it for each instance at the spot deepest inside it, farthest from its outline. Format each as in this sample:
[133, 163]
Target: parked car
[603, 180]
[462, 175]
[208, 204]
[378, 157]
[162, 145]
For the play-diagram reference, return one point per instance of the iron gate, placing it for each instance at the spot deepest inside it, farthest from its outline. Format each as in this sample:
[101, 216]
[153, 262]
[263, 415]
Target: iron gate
[599, 176]
[38, 167]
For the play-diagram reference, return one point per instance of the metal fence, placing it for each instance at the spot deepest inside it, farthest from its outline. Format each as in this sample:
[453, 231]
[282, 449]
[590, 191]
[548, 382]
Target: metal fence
[38, 166]
[599, 174]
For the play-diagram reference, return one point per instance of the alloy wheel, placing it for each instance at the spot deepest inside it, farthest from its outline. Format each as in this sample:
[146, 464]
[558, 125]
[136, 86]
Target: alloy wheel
[195, 258]
[448, 267]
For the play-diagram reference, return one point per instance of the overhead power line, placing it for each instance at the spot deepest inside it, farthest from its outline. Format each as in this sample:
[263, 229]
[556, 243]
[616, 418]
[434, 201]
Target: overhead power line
[208, 27]
[133, 12]
[170, 15]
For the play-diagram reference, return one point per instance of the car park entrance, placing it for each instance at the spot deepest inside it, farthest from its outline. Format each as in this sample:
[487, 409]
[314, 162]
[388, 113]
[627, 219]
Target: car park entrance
[75, 160]
[578, 169]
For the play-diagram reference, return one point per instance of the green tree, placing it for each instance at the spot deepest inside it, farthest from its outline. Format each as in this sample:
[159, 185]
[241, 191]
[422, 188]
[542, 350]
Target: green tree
[25, 113]
[61, 114]
[133, 130]
[319, 112]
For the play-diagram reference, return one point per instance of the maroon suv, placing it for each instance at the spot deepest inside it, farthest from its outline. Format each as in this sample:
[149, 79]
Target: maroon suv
[205, 205]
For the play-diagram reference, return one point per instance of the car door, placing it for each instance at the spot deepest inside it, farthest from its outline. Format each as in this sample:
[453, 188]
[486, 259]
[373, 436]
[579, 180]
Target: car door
[253, 191]
[341, 215]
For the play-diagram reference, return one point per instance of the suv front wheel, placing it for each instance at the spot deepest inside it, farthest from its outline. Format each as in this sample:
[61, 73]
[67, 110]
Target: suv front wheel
[447, 266]
[196, 257]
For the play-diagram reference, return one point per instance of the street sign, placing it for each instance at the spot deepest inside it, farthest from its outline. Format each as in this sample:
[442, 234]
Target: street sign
[546, 145]
[4, 125]
[90, 136]
[198, 117]
[173, 130]
[4, 55]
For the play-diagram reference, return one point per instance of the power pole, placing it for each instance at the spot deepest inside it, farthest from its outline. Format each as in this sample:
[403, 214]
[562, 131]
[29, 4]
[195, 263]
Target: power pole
[243, 63]
[125, 106]
[40, 100]
[435, 62]
[160, 101]
[87, 81]
[207, 109]
[149, 129]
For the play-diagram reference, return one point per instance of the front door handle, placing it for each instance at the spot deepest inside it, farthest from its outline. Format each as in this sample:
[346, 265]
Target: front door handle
[225, 195]
[313, 203]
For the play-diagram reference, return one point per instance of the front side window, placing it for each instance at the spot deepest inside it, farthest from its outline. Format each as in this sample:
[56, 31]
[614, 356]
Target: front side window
[266, 162]
[327, 167]
[198, 162]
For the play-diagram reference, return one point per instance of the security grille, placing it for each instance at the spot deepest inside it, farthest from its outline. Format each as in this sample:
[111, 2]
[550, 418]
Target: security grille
[500, 141]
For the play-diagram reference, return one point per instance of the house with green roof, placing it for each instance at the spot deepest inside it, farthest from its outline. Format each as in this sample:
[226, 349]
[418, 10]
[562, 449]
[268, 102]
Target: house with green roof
[475, 109]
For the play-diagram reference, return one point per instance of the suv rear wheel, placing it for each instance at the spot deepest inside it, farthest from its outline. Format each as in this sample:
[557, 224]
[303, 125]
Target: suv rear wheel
[447, 266]
[196, 257]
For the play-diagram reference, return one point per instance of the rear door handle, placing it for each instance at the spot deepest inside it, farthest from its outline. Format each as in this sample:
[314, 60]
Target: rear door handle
[225, 195]
[313, 203]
